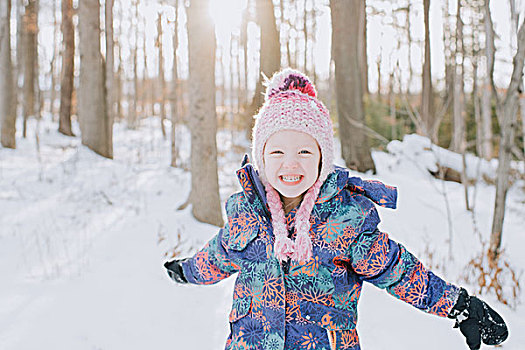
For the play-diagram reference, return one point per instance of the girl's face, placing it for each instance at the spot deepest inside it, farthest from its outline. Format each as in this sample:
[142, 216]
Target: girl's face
[291, 162]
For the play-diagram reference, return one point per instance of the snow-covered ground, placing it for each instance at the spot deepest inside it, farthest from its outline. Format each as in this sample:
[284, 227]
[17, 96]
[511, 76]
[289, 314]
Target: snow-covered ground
[83, 239]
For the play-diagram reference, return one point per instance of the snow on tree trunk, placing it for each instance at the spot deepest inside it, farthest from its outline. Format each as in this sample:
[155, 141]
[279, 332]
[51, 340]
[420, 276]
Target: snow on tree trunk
[95, 125]
[507, 111]
[68, 58]
[7, 87]
[350, 109]
[202, 118]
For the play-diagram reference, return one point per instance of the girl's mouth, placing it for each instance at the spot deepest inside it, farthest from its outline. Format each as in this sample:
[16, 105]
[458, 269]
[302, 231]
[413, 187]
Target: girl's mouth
[291, 180]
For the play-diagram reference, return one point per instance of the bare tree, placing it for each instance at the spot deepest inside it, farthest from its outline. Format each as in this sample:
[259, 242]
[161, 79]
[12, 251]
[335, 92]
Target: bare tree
[507, 114]
[363, 58]
[162, 81]
[204, 195]
[174, 88]
[427, 100]
[95, 125]
[269, 55]
[110, 61]
[487, 91]
[458, 132]
[7, 110]
[68, 59]
[350, 109]
[30, 61]
[132, 97]
[53, 65]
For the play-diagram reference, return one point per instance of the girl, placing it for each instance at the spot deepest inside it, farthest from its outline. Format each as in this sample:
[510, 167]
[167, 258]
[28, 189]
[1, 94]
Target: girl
[303, 236]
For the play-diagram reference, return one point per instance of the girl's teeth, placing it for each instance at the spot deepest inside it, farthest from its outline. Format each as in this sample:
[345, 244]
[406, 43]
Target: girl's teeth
[291, 178]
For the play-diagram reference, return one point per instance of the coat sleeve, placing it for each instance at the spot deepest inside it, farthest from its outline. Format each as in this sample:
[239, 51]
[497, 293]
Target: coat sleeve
[212, 263]
[387, 264]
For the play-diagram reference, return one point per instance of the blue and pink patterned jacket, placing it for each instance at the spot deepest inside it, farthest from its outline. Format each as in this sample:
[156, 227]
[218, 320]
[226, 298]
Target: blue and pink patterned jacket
[312, 305]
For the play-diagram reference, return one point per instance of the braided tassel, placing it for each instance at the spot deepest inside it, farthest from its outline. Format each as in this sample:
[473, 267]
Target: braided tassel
[303, 243]
[283, 246]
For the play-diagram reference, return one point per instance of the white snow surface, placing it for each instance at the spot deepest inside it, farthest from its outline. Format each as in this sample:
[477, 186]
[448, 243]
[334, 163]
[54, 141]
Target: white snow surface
[83, 240]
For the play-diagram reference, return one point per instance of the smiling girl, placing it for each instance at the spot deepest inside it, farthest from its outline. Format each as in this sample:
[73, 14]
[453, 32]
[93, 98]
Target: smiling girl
[303, 236]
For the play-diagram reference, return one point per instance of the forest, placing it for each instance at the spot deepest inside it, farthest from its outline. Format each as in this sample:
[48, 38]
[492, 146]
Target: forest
[106, 102]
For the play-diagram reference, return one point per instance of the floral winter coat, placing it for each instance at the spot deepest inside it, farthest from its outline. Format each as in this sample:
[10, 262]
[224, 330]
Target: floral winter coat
[312, 305]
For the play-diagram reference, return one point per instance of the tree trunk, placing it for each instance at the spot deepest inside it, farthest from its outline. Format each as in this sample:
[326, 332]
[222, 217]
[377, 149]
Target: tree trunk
[392, 102]
[162, 82]
[477, 109]
[174, 89]
[363, 57]
[350, 110]
[305, 33]
[146, 91]
[427, 101]
[132, 97]
[7, 87]
[118, 82]
[244, 44]
[269, 56]
[204, 195]
[508, 111]
[409, 50]
[53, 66]
[19, 60]
[486, 105]
[30, 59]
[68, 59]
[458, 132]
[95, 125]
[110, 61]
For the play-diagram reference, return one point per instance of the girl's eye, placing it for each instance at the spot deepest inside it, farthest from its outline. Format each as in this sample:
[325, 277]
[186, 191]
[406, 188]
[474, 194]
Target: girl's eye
[276, 152]
[305, 151]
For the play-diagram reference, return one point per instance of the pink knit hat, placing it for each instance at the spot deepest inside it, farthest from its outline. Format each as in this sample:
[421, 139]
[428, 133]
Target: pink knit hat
[291, 104]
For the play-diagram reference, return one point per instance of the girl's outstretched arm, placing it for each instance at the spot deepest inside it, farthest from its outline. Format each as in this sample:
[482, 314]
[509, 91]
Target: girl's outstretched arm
[389, 265]
[209, 265]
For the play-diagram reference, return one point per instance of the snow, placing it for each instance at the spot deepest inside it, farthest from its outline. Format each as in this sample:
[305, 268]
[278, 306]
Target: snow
[83, 239]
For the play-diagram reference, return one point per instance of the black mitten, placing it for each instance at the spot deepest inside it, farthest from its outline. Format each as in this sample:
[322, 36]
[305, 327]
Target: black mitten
[477, 321]
[174, 269]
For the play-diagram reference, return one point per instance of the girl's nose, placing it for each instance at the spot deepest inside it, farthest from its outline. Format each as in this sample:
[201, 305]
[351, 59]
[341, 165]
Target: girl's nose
[290, 162]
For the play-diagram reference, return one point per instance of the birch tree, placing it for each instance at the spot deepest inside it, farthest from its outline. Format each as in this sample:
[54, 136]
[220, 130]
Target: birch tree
[7, 87]
[204, 195]
[347, 53]
[95, 125]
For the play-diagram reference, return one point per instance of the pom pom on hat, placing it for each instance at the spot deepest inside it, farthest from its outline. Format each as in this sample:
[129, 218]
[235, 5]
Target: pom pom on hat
[291, 104]
[287, 80]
